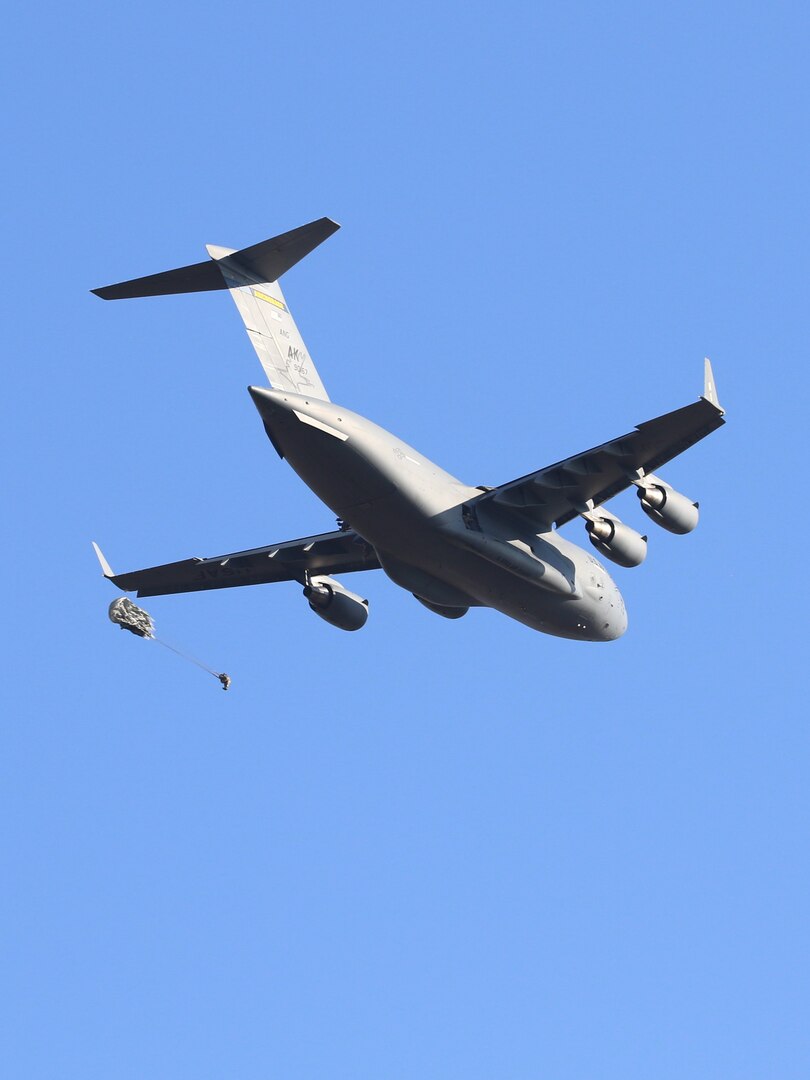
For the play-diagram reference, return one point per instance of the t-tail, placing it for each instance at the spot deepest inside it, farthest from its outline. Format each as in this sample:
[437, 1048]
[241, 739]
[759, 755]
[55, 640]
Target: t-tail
[251, 276]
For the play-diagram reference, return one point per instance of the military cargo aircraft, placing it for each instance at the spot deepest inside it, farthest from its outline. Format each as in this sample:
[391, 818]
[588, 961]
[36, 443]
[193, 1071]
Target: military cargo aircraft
[452, 545]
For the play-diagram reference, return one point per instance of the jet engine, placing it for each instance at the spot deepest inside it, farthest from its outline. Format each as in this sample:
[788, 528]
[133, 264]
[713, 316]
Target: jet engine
[616, 541]
[336, 605]
[666, 506]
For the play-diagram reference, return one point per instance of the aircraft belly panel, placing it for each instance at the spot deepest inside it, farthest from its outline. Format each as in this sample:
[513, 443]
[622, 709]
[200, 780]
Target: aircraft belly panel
[330, 466]
[414, 513]
[403, 541]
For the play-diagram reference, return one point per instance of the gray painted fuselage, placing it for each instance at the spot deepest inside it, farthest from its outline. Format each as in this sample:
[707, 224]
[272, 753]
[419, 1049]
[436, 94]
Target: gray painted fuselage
[426, 537]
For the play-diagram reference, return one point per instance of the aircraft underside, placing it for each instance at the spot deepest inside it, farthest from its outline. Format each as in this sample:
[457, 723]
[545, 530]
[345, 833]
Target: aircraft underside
[452, 545]
[416, 518]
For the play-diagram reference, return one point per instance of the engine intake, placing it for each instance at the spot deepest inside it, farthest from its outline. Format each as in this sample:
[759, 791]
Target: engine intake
[667, 507]
[617, 541]
[336, 605]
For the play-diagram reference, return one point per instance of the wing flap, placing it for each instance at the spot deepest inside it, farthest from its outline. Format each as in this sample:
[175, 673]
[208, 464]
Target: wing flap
[328, 553]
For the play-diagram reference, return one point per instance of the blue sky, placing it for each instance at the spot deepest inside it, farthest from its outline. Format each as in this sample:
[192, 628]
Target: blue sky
[429, 849]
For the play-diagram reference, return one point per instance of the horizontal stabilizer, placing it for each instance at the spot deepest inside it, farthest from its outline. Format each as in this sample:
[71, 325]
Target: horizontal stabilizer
[264, 262]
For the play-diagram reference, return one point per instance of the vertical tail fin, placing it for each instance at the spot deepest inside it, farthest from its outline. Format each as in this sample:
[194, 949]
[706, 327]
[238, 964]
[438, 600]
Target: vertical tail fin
[270, 327]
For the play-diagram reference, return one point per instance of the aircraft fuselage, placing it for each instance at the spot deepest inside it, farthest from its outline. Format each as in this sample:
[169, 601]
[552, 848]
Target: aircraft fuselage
[428, 539]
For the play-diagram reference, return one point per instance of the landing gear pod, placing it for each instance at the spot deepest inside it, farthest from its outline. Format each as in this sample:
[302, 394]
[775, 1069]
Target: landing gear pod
[336, 605]
[442, 609]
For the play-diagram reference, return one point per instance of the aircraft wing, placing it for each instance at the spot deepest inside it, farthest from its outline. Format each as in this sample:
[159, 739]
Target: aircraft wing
[556, 494]
[328, 553]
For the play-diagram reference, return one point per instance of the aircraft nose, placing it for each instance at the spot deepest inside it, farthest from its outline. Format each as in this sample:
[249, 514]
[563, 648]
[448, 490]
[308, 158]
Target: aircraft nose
[615, 622]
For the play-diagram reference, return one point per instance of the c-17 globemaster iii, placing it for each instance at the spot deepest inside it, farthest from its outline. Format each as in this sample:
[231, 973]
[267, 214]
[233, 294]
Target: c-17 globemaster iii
[452, 545]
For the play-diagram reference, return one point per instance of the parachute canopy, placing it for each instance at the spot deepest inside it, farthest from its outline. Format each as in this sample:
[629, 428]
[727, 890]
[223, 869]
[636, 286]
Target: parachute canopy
[133, 618]
[130, 617]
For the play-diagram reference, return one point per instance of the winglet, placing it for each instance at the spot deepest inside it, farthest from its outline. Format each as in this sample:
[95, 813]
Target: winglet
[709, 388]
[106, 569]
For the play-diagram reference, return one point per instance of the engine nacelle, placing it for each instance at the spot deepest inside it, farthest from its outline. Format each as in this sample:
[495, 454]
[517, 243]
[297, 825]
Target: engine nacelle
[336, 605]
[667, 507]
[616, 541]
